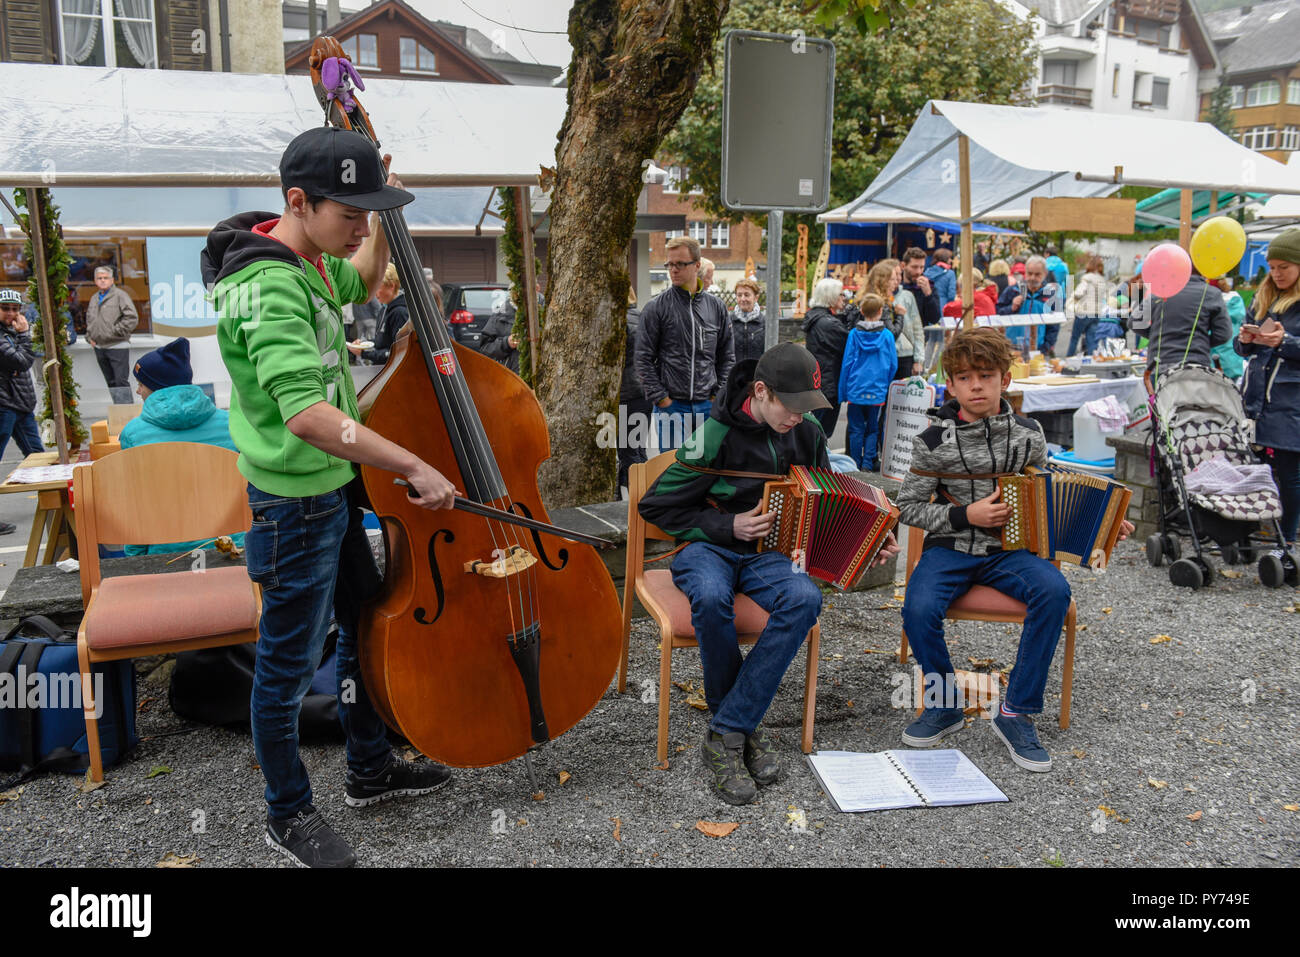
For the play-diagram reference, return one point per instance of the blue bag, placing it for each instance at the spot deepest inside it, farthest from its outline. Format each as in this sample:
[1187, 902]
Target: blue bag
[42, 725]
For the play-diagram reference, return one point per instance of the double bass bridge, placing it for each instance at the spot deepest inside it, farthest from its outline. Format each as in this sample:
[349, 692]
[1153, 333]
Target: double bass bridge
[504, 563]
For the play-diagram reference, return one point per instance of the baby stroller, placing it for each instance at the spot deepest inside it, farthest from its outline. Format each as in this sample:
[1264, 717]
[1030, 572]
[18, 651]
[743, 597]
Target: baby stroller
[1197, 415]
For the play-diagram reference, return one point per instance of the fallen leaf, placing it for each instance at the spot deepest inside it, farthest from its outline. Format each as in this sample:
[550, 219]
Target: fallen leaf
[662, 765]
[409, 755]
[1262, 819]
[522, 822]
[1079, 753]
[172, 859]
[12, 795]
[157, 770]
[1144, 706]
[849, 702]
[564, 777]
[1291, 807]
[148, 800]
[1160, 639]
[88, 785]
[1106, 611]
[680, 749]
[982, 662]
[875, 651]
[1195, 816]
[698, 701]
[1112, 813]
[716, 828]
[1158, 785]
[1229, 573]
[618, 827]
[539, 796]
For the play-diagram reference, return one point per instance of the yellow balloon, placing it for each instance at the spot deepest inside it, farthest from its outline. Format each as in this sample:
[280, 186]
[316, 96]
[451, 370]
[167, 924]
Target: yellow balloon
[1217, 245]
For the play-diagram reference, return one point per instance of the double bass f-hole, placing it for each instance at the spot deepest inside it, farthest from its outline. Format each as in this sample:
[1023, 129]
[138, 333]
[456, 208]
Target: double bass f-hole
[519, 508]
[420, 614]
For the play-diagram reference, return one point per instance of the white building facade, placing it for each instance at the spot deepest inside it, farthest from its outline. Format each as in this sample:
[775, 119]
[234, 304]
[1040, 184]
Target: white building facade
[1135, 57]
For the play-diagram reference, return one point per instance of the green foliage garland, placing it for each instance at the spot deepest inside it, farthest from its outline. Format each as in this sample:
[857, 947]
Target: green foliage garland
[57, 262]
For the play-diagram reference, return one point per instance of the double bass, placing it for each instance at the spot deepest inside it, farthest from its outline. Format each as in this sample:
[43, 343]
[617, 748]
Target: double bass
[488, 638]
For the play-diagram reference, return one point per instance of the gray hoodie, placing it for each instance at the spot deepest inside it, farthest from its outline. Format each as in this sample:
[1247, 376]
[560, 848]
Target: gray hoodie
[1002, 443]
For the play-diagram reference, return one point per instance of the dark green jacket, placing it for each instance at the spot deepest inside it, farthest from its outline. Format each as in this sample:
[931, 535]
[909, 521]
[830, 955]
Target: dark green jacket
[698, 507]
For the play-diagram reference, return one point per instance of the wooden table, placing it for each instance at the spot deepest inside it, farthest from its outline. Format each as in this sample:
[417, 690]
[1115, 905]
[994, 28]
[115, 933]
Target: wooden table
[53, 511]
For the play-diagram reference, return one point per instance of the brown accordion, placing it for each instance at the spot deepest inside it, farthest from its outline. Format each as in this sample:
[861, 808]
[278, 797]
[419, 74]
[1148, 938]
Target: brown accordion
[832, 524]
[1063, 515]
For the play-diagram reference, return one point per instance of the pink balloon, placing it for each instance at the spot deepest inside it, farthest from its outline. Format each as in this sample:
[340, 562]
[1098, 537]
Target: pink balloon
[1167, 269]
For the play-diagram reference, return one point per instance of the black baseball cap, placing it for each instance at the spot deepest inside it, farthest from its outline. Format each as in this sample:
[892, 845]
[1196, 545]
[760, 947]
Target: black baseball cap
[340, 165]
[794, 377]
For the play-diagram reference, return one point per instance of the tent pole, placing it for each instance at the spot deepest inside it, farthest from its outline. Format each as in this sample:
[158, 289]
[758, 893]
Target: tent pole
[524, 222]
[1185, 218]
[967, 240]
[36, 223]
[1214, 201]
[772, 320]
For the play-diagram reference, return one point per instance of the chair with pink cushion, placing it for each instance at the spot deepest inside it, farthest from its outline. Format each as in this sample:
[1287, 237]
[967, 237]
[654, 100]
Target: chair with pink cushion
[671, 609]
[983, 603]
[152, 495]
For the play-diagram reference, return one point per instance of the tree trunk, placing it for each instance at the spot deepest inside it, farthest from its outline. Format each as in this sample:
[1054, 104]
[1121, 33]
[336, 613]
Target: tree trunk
[634, 70]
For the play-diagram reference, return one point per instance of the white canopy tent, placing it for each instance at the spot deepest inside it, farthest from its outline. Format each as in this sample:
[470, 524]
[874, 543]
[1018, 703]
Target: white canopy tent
[972, 161]
[92, 126]
[1284, 208]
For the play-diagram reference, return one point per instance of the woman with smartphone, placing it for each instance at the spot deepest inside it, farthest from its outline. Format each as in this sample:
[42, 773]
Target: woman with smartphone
[1271, 386]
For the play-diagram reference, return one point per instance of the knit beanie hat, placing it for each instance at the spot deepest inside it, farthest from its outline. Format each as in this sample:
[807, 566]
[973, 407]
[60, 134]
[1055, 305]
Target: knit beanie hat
[1286, 246]
[166, 366]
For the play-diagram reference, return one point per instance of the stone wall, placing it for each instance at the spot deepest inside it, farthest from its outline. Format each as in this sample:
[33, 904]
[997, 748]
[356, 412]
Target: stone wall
[1133, 468]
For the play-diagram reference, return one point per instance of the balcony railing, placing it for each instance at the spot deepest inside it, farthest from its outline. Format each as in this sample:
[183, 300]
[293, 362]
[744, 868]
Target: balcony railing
[1065, 95]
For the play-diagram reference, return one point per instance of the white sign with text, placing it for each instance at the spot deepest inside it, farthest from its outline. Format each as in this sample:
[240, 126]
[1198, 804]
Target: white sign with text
[905, 418]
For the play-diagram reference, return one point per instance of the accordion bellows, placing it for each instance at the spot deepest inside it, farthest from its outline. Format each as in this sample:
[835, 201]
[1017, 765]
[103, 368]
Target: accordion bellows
[833, 525]
[1062, 515]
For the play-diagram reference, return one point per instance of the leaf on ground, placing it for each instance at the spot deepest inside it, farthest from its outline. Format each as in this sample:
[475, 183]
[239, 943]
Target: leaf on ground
[686, 686]
[539, 796]
[1112, 813]
[1229, 573]
[898, 594]
[1195, 816]
[1079, 753]
[522, 822]
[618, 828]
[1158, 785]
[1291, 807]
[88, 785]
[1106, 611]
[409, 755]
[697, 700]
[849, 702]
[12, 795]
[876, 651]
[716, 828]
[564, 777]
[662, 765]
[157, 770]
[172, 859]
[982, 662]
[1160, 639]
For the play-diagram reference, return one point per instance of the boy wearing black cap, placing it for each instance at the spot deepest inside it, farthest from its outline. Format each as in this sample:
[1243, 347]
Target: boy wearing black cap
[281, 283]
[760, 423]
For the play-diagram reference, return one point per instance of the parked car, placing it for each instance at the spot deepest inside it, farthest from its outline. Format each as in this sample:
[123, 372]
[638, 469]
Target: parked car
[470, 305]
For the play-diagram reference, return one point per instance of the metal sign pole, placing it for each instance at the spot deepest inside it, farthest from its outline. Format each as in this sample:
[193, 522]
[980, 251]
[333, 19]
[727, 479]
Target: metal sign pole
[772, 320]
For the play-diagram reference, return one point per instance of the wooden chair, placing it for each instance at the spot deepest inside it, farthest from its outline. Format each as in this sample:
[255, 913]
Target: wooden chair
[151, 495]
[671, 609]
[983, 603]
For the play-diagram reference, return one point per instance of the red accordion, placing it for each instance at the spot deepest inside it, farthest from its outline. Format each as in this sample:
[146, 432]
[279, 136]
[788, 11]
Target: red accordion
[833, 525]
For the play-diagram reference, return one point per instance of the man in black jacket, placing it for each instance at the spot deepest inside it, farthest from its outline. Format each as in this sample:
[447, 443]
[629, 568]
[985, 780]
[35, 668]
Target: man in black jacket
[17, 393]
[759, 424]
[1184, 327]
[684, 348]
[635, 407]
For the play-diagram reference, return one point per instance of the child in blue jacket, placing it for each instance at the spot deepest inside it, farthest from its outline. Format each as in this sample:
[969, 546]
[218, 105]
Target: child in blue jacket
[870, 359]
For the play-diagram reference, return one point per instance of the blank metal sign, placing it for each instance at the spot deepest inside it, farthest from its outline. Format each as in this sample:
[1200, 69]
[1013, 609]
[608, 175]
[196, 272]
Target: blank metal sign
[777, 105]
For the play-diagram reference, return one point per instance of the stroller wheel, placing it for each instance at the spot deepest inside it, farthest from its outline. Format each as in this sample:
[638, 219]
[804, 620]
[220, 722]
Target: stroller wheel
[1207, 568]
[1173, 547]
[1155, 551]
[1271, 572]
[1185, 573]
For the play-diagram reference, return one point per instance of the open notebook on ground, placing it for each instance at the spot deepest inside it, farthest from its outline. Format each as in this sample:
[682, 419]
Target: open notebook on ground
[855, 781]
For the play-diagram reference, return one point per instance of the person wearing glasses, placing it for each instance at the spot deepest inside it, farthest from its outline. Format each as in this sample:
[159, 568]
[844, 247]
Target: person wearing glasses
[684, 347]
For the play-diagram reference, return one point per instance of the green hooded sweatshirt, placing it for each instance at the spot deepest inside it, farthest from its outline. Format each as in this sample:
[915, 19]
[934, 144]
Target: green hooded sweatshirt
[281, 338]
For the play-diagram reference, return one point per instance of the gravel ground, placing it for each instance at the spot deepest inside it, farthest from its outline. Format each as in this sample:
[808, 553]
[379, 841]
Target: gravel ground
[1210, 715]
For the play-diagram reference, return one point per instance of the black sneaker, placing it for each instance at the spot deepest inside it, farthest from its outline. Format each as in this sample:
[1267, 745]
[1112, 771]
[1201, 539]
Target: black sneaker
[7, 528]
[399, 777]
[308, 841]
[760, 757]
[724, 756]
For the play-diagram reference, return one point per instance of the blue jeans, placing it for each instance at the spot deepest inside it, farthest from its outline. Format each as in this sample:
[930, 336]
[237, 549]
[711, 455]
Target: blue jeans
[944, 574]
[675, 423]
[863, 424]
[293, 548]
[1286, 472]
[739, 690]
[22, 427]
[1081, 334]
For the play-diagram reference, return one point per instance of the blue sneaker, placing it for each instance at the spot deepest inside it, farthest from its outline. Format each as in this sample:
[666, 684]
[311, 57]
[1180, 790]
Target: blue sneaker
[933, 724]
[1018, 734]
